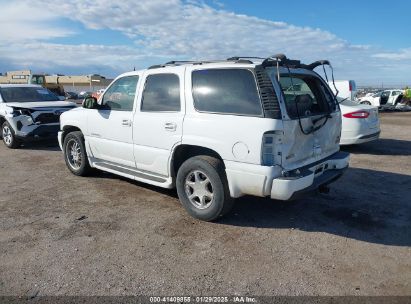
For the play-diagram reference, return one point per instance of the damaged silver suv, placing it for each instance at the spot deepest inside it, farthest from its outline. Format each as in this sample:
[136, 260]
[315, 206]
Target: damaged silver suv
[29, 112]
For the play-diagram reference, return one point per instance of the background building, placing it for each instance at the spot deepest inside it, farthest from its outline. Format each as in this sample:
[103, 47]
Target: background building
[75, 83]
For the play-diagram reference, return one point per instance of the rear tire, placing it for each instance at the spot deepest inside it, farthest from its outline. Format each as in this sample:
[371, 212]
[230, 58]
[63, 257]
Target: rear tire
[9, 137]
[202, 188]
[366, 102]
[75, 154]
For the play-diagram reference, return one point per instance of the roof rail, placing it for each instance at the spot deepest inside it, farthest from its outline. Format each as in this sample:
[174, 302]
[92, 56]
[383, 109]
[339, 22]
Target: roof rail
[236, 58]
[181, 62]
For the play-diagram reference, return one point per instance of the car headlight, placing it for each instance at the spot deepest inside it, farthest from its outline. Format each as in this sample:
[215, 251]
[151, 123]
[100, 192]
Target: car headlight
[18, 112]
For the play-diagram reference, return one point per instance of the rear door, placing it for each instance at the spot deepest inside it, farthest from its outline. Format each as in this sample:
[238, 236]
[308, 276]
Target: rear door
[158, 122]
[307, 104]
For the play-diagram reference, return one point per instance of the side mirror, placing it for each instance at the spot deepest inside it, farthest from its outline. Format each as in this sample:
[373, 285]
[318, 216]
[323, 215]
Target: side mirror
[90, 103]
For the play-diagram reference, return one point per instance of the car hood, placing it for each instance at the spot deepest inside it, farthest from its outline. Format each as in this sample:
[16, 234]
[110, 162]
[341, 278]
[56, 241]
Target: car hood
[41, 104]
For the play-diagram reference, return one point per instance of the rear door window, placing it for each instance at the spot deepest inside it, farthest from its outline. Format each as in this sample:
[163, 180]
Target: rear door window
[161, 93]
[228, 91]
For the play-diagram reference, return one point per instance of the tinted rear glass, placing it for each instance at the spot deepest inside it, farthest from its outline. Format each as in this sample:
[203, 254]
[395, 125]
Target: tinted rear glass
[230, 91]
[161, 93]
[27, 94]
[306, 95]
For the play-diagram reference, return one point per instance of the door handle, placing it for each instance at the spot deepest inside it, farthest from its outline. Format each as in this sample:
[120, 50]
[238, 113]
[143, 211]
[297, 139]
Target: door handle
[126, 122]
[170, 126]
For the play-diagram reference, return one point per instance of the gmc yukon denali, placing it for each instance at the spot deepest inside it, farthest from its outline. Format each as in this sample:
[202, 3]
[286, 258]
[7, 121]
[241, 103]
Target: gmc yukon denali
[215, 130]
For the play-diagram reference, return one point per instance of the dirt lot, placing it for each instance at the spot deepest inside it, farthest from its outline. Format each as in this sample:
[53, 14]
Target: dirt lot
[104, 235]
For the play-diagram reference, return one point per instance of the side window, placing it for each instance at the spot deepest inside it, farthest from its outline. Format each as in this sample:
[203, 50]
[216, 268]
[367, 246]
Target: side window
[120, 95]
[230, 91]
[394, 93]
[161, 93]
[385, 94]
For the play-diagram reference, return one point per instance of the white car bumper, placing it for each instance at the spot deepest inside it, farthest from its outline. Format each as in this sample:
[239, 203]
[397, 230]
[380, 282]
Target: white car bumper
[353, 138]
[269, 181]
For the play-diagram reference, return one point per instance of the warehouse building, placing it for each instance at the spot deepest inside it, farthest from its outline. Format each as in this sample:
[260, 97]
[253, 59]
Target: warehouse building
[74, 83]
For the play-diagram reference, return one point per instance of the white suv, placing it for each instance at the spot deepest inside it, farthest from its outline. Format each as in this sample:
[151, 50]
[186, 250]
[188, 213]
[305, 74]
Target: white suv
[214, 130]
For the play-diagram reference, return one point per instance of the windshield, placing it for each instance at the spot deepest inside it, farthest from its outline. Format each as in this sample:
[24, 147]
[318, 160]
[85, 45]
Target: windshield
[27, 94]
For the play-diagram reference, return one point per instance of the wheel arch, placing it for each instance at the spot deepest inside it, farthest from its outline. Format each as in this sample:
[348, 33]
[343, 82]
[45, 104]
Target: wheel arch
[183, 152]
[68, 129]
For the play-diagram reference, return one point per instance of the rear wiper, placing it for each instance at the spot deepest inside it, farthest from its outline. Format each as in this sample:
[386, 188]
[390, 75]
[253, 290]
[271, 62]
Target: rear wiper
[343, 100]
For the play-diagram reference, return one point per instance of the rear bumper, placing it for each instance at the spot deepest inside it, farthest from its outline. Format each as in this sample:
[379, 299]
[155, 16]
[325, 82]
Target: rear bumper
[324, 179]
[310, 177]
[353, 139]
[270, 181]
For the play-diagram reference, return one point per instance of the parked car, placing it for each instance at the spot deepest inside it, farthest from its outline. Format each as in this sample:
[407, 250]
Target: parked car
[84, 94]
[71, 95]
[29, 112]
[98, 93]
[360, 123]
[383, 98]
[346, 88]
[214, 130]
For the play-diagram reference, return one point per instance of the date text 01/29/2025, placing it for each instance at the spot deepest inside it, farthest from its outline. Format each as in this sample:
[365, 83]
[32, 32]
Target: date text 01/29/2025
[202, 299]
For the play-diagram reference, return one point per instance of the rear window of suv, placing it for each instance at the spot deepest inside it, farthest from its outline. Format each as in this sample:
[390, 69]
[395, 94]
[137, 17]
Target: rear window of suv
[306, 95]
[227, 91]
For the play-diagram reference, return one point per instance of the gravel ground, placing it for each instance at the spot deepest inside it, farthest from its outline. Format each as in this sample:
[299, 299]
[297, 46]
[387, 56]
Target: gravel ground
[103, 235]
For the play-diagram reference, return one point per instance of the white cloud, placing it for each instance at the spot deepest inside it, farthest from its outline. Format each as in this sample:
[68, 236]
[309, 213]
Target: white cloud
[20, 21]
[402, 54]
[184, 30]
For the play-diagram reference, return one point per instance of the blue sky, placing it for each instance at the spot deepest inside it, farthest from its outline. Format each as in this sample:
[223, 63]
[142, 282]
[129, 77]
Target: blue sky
[368, 41]
[378, 22]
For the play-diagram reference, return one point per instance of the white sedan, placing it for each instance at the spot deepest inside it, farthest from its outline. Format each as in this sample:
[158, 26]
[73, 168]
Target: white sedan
[360, 123]
[383, 98]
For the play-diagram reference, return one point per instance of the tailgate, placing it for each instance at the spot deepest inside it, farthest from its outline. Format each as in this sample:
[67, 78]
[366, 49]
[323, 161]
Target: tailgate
[301, 149]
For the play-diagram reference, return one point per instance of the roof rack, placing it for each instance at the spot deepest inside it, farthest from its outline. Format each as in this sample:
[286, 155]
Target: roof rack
[244, 57]
[275, 60]
[182, 62]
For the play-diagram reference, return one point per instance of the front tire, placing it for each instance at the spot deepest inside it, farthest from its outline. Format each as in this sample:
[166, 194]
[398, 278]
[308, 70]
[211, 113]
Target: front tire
[202, 188]
[75, 154]
[9, 138]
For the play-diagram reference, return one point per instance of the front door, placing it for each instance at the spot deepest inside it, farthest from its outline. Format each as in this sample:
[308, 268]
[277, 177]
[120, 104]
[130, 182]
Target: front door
[158, 122]
[110, 132]
[384, 97]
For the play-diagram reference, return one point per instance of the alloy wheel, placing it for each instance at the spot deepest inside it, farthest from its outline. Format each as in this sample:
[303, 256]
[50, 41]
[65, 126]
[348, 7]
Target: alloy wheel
[7, 135]
[73, 154]
[199, 189]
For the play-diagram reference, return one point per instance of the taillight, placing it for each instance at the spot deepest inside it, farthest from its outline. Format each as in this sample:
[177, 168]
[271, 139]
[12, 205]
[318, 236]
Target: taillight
[358, 114]
[350, 86]
[270, 154]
